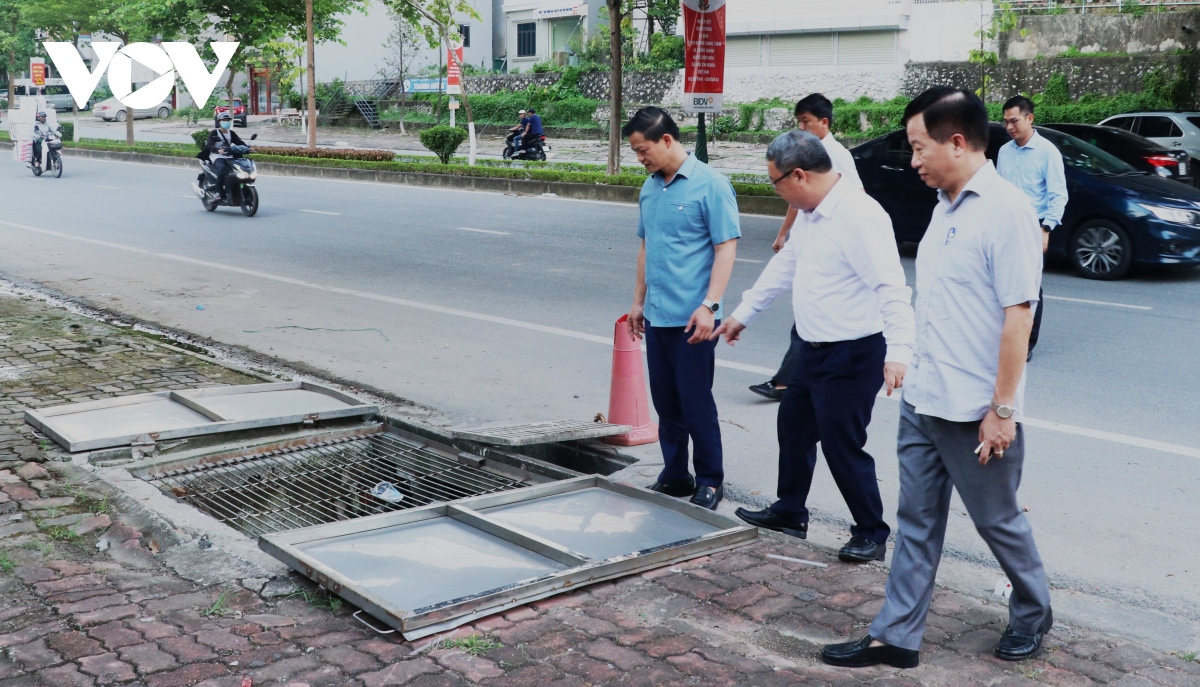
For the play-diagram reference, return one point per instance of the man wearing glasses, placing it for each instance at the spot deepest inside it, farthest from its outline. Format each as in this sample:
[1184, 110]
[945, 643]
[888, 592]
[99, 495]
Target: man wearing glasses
[857, 331]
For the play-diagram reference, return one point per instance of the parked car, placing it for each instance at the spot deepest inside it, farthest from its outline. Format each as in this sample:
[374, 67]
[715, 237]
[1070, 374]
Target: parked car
[1177, 130]
[238, 113]
[1116, 216]
[111, 109]
[60, 99]
[1138, 152]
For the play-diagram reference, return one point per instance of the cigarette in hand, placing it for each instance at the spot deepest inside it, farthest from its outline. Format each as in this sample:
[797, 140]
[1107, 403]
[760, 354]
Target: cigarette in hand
[979, 447]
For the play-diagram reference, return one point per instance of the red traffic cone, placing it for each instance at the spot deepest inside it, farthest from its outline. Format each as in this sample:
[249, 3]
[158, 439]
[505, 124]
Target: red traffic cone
[627, 401]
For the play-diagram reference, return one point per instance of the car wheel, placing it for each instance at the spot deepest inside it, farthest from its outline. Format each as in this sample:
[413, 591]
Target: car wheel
[164, 112]
[121, 115]
[1101, 249]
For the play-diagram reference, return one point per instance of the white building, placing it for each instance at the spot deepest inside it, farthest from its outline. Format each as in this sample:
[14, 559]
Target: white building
[843, 48]
[539, 30]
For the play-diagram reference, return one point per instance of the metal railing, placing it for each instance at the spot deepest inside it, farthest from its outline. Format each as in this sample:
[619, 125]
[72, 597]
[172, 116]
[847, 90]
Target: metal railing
[1085, 6]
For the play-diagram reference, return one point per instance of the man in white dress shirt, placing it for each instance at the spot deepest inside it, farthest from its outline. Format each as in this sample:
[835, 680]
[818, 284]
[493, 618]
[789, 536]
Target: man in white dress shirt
[979, 267]
[856, 326]
[814, 114]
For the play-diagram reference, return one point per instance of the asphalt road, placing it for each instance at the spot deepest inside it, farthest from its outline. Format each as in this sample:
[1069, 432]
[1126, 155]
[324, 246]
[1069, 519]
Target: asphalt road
[488, 307]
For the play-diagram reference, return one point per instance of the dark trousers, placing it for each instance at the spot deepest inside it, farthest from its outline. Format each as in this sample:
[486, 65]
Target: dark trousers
[788, 367]
[223, 167]
[1037, 319]
[37, 152]
[681, 380]
[829, 399]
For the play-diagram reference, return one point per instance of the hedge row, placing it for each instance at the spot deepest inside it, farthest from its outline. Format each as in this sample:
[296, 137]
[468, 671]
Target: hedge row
[529, 174]
[502, 108]
[326, 153]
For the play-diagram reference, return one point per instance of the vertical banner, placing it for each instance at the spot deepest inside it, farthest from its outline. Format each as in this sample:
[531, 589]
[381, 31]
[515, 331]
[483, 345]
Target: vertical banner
[37, 71]
[453, 73]
[704, 55]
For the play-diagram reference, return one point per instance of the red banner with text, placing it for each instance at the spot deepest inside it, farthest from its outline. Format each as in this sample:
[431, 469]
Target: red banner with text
[704, 55]
[453, 73]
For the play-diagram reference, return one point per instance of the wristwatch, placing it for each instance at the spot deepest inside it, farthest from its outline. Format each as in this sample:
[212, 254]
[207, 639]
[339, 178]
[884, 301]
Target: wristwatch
[712, 305]
[1004, 412]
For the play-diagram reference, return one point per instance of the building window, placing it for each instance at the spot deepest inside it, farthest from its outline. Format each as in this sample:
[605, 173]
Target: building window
[464, 30]
[527, 39]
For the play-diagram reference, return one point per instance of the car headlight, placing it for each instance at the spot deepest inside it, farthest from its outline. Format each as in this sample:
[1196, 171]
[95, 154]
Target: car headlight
[243, 175]
[1175, 215]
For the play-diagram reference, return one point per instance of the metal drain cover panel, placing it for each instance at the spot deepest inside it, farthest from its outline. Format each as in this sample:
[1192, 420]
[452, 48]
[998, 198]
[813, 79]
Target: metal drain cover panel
[147, 418]
[540, 432]
[430, 569]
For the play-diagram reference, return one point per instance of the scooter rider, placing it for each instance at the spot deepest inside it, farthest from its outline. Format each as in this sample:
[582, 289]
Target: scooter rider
[518, 131]
[41, 131]
[533, 129]
[217, 146]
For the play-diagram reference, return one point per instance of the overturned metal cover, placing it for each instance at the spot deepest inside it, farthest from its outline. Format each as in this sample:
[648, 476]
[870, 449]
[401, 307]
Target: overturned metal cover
[539, 432]
[430, 569]
[147, 418]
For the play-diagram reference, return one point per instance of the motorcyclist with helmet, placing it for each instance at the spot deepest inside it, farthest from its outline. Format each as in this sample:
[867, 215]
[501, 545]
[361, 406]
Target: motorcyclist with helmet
[533, 129]
[41, 131]
[217, 148]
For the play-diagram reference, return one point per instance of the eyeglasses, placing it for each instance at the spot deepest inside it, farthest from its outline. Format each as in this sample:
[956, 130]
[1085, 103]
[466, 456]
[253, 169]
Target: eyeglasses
[775, 182]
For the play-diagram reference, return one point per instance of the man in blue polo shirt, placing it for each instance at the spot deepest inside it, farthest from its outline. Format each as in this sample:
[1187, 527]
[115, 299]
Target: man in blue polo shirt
[689, 229]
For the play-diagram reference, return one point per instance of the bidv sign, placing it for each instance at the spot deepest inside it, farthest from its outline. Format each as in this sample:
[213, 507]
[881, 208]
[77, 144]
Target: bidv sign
[166, 61]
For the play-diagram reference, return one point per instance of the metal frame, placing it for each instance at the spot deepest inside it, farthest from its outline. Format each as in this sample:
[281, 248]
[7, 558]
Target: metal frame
[44, 418]
[526, 434]
[421, 622]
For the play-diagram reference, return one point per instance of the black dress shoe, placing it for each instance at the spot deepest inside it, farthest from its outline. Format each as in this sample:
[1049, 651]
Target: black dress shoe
[1017, 646]
[679, 491]
[708, 497]
[770, 520]
[862, 550]
[861, 654]
[767, 390]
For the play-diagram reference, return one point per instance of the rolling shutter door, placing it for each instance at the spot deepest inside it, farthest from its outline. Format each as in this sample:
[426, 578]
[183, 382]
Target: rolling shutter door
[743, 51]
[803, 49]
[867, 47]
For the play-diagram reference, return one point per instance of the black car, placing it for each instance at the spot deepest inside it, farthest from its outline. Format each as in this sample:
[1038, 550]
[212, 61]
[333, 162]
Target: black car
[1116, 216]
[1138, 151]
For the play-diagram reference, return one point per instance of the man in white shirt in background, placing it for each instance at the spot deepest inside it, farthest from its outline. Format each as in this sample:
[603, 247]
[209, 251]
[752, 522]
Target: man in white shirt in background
[856, 325]
[814, 114]
[1034, 165]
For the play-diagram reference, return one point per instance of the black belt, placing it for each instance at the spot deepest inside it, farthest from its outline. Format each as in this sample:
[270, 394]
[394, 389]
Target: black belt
[819, 344]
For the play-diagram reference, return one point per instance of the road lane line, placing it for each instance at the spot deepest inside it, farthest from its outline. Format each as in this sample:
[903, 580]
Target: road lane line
[1112, 437]
[756, 262]
[110, 188]
[486, 231]
[1109, 304]
[321, 212]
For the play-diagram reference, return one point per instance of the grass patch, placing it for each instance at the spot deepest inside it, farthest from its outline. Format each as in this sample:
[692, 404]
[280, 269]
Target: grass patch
[476, 645]
[90, 504]
[217, 610]
[6, 564]
[61, 533]
[43, 547]
[319, 598]
[1189, 656]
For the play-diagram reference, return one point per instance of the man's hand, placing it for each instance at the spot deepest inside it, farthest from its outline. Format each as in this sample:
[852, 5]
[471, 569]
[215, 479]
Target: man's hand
[1045, 239]
[995, 434]
[893, 376]
[700, 325]
[780, 240]
[731, 328]
[636, 321]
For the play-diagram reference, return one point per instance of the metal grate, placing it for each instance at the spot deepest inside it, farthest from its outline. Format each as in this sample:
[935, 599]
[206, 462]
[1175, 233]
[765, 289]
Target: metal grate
[320, 483]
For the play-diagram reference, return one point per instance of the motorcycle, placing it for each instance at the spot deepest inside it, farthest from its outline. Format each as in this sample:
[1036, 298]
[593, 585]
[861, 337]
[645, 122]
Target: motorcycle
[243, 194]
[535, 151]
[53, 146]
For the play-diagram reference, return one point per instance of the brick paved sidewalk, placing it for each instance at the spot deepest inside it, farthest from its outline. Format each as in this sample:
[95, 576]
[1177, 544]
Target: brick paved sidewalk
[72, 615]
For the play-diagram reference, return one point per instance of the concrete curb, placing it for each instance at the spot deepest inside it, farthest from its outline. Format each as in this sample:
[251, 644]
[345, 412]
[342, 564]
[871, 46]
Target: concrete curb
[755, 205]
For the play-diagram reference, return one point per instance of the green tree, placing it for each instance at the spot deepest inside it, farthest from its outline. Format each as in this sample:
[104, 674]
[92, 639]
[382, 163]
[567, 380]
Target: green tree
[1003, 20]
[17, 42]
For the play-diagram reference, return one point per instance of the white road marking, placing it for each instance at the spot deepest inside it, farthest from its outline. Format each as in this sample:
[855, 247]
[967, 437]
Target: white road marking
[321, 212]
[1111, 305]
[110, 188]
[486, 231]
[190, 195]
[756, 262]
[1112, 437]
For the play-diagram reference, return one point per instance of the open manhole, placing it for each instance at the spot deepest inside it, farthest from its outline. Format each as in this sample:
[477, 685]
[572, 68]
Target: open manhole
[286, 489]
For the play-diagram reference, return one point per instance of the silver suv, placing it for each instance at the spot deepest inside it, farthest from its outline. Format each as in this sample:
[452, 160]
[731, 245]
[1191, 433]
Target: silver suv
[1178, 130]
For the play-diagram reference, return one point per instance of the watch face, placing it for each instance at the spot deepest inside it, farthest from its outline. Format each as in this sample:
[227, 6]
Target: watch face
[1004, 412]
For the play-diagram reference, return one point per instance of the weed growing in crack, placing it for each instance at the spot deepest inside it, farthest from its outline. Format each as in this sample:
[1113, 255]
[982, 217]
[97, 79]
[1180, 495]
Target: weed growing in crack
[1189, 656]
[43, 547]
[217, 610]
[6, 563]
[318, 599]
[44, 444]
[476, 645]
[60, 533]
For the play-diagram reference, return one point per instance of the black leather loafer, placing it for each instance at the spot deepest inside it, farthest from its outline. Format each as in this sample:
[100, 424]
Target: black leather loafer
[862, 550]
[1017, 646]
[770, 520]
[679, 491]
[708, 497]
[861, 654]
[768, 391]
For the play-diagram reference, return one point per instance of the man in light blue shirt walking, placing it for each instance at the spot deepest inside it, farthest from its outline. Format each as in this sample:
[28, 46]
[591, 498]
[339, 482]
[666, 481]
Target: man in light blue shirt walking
[689, 228]
[1034, 165]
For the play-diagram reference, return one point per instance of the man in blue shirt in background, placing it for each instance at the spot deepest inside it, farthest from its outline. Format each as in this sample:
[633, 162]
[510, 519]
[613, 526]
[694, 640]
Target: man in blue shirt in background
[1034, 165]
[689, 229]
[533, 128]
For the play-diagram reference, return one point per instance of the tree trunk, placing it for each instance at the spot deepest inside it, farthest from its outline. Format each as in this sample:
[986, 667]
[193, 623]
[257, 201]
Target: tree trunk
[614, 116]
[403, 69]
[312, 76]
